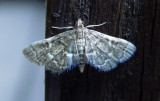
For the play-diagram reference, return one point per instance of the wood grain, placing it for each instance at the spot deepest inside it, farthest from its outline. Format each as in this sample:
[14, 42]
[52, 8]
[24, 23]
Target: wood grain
[138, 79]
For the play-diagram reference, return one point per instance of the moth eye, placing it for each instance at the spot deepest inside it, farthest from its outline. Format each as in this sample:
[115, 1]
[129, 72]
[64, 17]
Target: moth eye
[76, 24]
[83, 22]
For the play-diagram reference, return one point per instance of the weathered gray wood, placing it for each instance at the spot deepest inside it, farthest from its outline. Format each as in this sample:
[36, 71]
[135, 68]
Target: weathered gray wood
[151, 65]
[135, 80]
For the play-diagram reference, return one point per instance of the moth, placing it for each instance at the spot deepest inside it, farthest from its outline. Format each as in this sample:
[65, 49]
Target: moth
[78, 47]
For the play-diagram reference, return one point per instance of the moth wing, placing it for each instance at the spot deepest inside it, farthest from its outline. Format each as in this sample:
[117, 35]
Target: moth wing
[105, 52]
[57, 53]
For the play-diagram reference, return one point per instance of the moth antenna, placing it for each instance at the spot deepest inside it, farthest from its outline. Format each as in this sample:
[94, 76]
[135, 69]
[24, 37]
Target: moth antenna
[89, 26]
[68, 27]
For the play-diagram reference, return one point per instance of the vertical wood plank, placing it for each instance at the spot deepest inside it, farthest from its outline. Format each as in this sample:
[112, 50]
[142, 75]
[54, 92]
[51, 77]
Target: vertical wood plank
[151, 74]
[135, 80]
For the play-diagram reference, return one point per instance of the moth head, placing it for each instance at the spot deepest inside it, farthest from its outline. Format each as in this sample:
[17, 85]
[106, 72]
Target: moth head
[79, 23]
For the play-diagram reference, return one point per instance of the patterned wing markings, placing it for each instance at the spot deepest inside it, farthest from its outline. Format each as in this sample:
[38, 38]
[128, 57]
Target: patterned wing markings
[106, 52]
[61, 52]
[99, 59]
[57, 53]
[64, 59]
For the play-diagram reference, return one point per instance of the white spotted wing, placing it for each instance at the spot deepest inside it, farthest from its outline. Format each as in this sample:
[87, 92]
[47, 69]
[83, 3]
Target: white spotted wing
[57, 53]
[104, 52]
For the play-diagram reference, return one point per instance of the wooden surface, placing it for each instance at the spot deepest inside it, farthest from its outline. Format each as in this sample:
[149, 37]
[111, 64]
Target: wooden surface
[138, 79]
